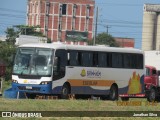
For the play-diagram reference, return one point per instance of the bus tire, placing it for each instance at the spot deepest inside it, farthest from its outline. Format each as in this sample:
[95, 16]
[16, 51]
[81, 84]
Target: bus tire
[124, 98]
[65, 91]
[151, 97]
[113, 94]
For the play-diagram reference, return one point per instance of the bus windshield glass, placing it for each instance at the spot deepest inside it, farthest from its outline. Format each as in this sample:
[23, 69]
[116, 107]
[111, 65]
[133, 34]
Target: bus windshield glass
[33, 61]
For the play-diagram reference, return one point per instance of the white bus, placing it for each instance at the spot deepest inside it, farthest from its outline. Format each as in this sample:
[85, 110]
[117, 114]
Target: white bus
[60, 69]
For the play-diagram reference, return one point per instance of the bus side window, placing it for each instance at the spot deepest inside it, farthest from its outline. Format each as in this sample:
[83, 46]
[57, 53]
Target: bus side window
[73, 58]
[95, 59]
[87, 59]
[139, 61]
[60, 63]
[90, 55]
[102, 59]
[79, 58]
[127, 60]
[133, 61]
[109, 60]
[55, 66]
[117, 60]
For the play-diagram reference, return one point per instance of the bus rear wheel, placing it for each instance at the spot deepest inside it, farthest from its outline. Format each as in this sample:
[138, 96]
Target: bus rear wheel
[113, 94]
[65, 91]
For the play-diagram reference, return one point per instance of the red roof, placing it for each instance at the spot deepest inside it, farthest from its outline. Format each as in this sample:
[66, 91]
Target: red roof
[151, 67]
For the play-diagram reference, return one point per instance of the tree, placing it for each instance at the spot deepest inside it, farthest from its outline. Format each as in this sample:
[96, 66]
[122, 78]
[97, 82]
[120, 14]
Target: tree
[49, 40]
[29, 30]
[8, 48]
[6, 53]
[11, 35]
[106, 39]
[90, 42]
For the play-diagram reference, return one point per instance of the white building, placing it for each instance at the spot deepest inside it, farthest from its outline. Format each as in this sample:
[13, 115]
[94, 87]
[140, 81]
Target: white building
[24, 39]
[2, 38]
[152, 58]
[151, 27]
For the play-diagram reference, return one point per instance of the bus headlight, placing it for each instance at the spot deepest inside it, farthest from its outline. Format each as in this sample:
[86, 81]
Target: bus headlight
[15, 81]
[45, 83]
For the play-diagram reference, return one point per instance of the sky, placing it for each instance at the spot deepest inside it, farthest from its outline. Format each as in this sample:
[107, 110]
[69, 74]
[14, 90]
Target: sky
[123, 17]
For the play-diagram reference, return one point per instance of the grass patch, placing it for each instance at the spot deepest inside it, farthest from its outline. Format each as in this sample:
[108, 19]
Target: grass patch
[6, 85]
[73, 105]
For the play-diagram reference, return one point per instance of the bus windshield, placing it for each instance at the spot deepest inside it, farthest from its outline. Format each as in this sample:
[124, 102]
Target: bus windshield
[33, 61]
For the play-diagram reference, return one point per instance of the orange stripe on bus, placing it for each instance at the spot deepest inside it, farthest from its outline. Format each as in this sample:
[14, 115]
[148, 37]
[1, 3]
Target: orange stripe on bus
[78, 82]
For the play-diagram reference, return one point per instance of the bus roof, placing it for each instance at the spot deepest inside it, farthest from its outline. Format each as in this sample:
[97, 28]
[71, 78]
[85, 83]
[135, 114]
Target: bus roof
[82, 47]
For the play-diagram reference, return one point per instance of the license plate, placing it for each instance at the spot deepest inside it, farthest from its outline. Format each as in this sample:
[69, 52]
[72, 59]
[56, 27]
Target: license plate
[28, 87]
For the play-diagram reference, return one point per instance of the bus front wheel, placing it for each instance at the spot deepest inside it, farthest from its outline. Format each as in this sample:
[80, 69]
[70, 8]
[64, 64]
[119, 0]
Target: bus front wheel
[65, 91]
[113, 94]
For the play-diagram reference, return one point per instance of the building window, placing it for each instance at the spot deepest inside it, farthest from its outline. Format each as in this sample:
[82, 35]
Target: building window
[64, 9]
[87, 12]
[74, 10]
[73, 24]
[60, 26]
[87, 16]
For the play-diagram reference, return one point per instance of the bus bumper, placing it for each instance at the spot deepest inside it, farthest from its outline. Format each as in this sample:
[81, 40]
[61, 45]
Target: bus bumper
[132, 95]
[41, 89]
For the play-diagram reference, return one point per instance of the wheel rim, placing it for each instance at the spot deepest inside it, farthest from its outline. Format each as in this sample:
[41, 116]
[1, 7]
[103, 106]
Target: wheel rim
[113, 93]
[153, 95]
[65, 91]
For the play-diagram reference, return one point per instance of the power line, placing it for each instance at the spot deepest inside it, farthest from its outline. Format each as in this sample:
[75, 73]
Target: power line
[12, 10]
[115, 23]
[118, 4]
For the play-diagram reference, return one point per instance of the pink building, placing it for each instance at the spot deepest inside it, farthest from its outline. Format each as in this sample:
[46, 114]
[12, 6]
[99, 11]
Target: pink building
[125, 42]
[63, 20]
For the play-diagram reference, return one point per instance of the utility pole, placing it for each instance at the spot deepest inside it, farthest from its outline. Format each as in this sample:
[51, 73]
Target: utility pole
[106, 26]
[25, 30]
[95, 33]
[47, 17]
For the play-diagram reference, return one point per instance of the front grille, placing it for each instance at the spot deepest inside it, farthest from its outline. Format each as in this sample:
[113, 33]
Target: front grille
[33, 88]
[29, 76]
